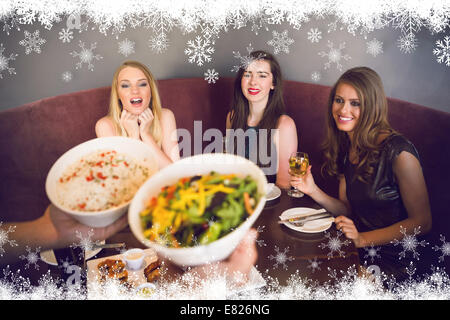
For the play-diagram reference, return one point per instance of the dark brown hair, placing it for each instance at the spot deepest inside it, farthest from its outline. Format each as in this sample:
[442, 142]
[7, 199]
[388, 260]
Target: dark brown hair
[275, 105]
[372, 122]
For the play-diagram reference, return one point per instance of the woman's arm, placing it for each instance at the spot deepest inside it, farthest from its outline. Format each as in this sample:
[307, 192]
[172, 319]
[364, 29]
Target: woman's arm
[413, 190]
[307, 185]
[170, 137]
[286, 143]
[55, 229]
[169, 148]
[105, 128]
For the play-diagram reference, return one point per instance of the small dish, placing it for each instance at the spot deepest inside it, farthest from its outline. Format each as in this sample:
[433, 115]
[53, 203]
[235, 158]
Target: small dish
[314, 226]
[146, 290]
[273, 192]
[134, 258]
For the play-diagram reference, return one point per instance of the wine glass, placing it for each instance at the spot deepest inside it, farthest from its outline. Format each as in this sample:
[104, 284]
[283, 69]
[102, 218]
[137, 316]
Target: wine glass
[298, 164]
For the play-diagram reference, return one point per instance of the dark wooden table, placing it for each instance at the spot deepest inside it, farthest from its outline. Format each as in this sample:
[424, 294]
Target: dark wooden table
[282, 252]
[303, 248]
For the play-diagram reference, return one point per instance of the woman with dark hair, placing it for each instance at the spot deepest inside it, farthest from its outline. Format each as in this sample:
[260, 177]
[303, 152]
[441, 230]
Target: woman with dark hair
[258, 111]
[382, 191]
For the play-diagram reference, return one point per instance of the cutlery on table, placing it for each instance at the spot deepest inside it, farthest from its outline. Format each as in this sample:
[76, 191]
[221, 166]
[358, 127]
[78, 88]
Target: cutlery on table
[108, 245]
[317, 213]
[301, 223]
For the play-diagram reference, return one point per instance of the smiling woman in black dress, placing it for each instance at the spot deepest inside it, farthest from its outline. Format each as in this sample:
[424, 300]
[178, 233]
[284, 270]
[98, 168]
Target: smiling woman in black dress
[382, 191]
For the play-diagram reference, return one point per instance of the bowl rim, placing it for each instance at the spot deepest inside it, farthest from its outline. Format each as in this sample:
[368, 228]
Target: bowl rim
[52, 197]
[161, 248]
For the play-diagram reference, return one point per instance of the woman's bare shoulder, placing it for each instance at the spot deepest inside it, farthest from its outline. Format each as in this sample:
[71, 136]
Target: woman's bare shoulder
[285, 122]
[166, 112]
[105, 127]
[167, 115]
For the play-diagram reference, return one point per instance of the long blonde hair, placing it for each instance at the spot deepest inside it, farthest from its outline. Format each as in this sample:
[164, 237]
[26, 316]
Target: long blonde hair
[115, 105]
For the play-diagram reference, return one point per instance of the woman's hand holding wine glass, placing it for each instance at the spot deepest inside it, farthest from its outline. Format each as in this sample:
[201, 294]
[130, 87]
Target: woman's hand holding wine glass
[298, 167]
[305, 183]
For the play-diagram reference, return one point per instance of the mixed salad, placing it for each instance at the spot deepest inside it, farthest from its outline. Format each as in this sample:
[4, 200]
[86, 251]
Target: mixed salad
[200, 209]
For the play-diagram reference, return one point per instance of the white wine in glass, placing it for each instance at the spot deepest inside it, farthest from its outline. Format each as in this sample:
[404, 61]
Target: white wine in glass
[298, 165]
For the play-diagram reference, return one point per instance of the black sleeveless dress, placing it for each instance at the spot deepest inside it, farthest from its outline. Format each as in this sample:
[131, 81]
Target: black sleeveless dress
[379, 204]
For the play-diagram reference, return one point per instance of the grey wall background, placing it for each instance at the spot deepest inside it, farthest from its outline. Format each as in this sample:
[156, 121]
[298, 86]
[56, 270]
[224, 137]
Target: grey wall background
[416, 77]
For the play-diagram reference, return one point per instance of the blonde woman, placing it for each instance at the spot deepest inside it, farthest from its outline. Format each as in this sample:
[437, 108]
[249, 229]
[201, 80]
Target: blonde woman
[135, 111]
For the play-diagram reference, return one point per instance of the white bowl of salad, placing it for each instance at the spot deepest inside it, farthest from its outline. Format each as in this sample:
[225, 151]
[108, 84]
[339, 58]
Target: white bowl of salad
[95, 181]
[198, 209]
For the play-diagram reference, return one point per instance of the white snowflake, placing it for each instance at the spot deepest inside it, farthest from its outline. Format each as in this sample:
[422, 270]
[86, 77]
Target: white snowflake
[314, 265]
[407, 20]
[258, 23]
[275, 15]
[444, 248]
[85, 242]
[32, 42]
[334, 55]
[65, 35]
[372, 253]
[210, 31]
[316, 76]
[245, 61]
[4, 62]
[314, 35]
[159, 43]
[211, 76]
[199, 51]
[407, 43]
[86, 56]
[11, 23]
[411, 270]
[332, 26]
[442, 51]
[344, 276]
[126, 47]
[64, 264]
[158, 20]
[374, 47]
[66, 76]
[334, 244]
[32, 257]
[409, 243]
[260, 242]
[280, 42]
[281, 258]
[4, 236]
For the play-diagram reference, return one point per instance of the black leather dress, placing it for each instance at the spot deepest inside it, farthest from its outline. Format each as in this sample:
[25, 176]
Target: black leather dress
[379, 204]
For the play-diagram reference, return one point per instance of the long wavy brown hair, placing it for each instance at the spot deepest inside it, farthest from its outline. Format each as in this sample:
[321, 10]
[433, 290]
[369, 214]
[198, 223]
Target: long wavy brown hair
[275, 105]
[372, 125]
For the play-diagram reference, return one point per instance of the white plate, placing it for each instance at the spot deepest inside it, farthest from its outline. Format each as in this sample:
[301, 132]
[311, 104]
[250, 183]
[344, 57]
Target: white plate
[273, 193]
[309, 227]
[50, 258]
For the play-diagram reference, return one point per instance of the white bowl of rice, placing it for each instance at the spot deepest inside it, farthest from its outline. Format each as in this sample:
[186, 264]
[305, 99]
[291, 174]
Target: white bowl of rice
[199, 165]
[95, 181]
